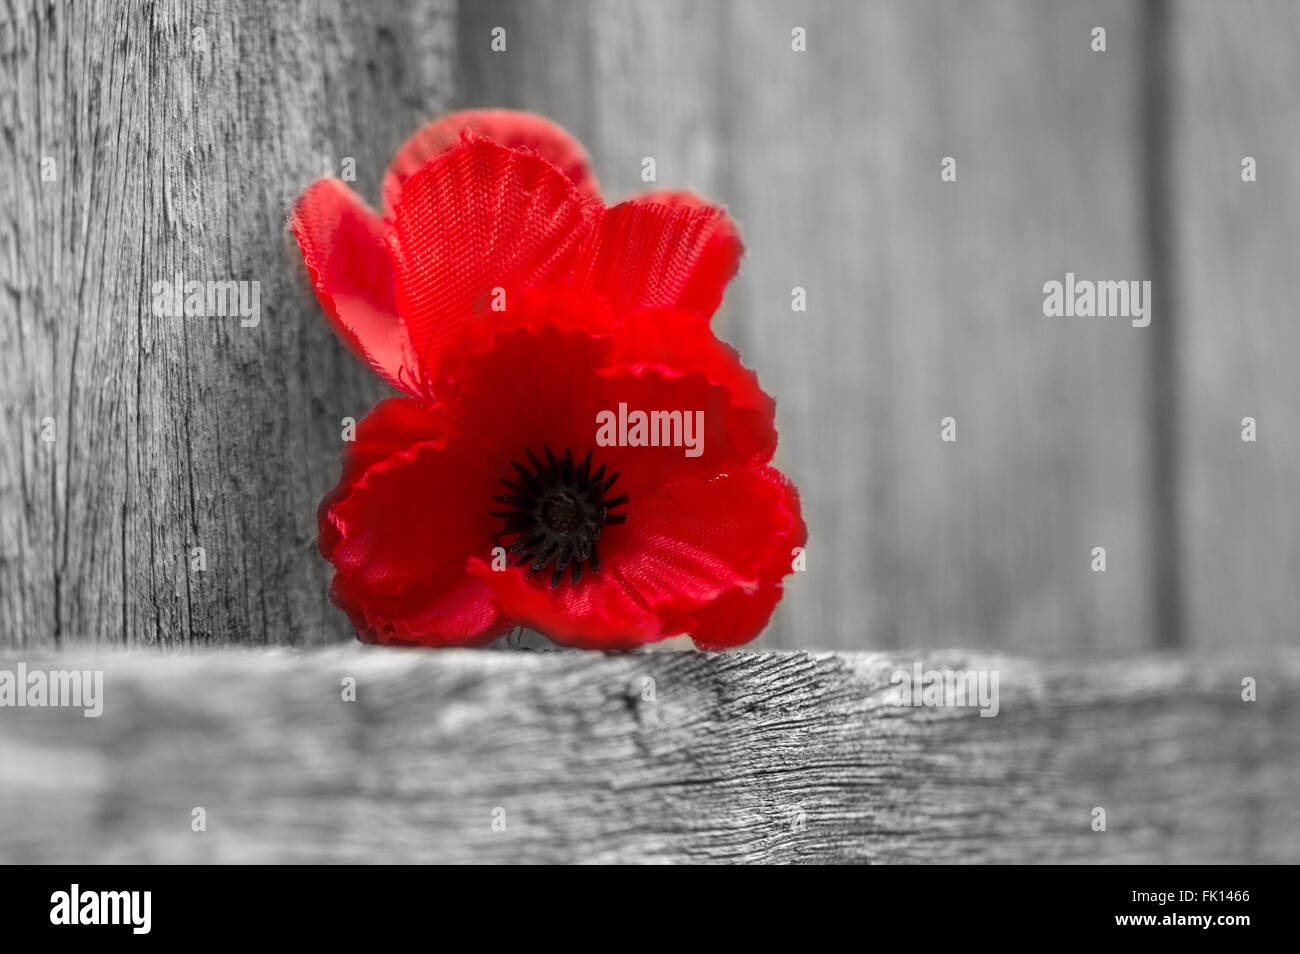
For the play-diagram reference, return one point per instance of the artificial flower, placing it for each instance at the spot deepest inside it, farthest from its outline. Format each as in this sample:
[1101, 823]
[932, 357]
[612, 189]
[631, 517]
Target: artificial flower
[514, 308]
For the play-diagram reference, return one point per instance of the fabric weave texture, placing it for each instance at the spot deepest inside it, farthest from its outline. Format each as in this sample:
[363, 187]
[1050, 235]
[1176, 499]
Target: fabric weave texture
[511, 307]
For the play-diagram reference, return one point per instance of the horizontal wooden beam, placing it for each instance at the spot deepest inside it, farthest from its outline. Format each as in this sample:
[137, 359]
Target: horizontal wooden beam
[463, 756]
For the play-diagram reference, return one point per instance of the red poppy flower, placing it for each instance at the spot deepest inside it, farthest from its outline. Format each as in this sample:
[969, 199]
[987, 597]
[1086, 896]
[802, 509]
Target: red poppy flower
[517, 311]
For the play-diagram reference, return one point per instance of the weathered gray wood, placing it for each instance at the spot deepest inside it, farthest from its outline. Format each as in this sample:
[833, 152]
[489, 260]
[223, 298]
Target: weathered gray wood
[924, 298]
[1235, 258]
[172, 433]
[181, 132]
[925, 301]
[652, 757]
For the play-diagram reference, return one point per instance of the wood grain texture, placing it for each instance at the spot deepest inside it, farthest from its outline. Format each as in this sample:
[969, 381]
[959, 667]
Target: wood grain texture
[651, 758]
[181, 132]
[925, 298]
[1236, 256]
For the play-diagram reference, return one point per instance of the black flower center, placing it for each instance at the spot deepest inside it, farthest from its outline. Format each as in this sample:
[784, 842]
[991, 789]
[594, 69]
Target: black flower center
[563, 512]
[559, 510]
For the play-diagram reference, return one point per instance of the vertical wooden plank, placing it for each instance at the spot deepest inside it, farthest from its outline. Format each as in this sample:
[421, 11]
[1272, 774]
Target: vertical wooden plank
[1236, 81]
[630, 80]
[925, 298]
[925, 302]
[180, 133]
[547, 65]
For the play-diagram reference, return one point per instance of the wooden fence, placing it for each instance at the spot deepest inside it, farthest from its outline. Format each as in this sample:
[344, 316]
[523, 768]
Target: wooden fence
[141, 140]
[465, 756]
[177, 134]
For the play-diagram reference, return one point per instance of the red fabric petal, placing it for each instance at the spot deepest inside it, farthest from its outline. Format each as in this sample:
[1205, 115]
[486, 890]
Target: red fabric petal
[541, 372]
[742, 612]
[694, 540]
[698, 529]
[403, 536]
[560, 306]
[391, 428]
[670, 250]
[682, 548]
[733, 619]
[505, 127]
[524, 377]
[599, 613]
[676, 342]
[476, 218]
[344, 246]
